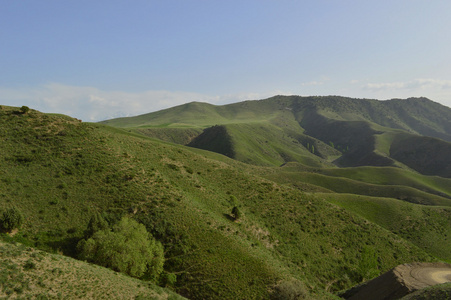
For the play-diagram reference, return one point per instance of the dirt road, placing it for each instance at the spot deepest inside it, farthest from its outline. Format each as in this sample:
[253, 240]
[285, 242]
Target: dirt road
[402, 280]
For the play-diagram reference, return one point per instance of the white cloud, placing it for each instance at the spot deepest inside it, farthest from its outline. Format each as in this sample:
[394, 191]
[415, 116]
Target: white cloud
[422, 83]
[312, 83]
[92, 104]
[435, 89]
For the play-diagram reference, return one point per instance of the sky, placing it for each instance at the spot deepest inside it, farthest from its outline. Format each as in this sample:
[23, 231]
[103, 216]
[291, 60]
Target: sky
[99, 59]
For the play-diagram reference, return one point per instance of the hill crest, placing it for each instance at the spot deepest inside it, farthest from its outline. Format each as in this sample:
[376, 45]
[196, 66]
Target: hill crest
[312, 130]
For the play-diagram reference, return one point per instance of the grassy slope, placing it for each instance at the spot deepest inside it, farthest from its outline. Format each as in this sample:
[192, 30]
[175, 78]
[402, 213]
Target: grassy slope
[59, 172]
[395, 176]
[363, 130]
[429, 156]
[27, 273]
[403, 189]
[425, 226]
[438, 292]
[418, 115]
[196, 114]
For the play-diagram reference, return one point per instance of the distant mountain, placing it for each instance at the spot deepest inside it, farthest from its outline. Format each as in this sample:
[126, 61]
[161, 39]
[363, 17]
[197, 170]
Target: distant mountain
[414, 133]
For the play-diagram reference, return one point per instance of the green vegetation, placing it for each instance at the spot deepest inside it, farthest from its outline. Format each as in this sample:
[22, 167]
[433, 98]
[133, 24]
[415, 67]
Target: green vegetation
[24, 109]
[127, 248]
[294, 231]
[289, 290]
[11, 219]
[441, 291]
[26, 273]
[368, 266]
[311, 130]
[425, 226]
[236, 213]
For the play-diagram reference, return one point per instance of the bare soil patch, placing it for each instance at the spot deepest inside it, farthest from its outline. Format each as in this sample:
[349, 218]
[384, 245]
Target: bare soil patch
[401, 281]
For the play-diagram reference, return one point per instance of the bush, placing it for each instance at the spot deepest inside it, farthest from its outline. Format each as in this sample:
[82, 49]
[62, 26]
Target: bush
[11, 219]
[236, 213]
[127, 248]
[96, 223]
[168, 279]
[24, 109]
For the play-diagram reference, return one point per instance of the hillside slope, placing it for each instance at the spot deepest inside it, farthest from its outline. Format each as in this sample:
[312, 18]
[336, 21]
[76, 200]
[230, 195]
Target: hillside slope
[59, 172]
[27, 273]
[315, 130]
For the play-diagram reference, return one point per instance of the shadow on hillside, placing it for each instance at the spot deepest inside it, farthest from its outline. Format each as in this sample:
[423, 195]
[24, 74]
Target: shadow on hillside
[67, 246]
[229, 217]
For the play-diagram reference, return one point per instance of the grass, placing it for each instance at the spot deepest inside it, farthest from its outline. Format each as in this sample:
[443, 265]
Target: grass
[59, 172]
[440, 291]
[425, 226]
[348, 132]
[395, 176]
[409, 192]
[30, 273]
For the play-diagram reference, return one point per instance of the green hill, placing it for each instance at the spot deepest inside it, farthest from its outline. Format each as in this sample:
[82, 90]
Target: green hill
[60, 172]
[313, 131]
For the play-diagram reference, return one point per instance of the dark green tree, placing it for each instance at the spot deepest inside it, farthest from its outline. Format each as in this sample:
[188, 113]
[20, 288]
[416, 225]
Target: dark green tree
[96, 223]
[24, 109]
[11, 219]
[236, 213]
[126, 248]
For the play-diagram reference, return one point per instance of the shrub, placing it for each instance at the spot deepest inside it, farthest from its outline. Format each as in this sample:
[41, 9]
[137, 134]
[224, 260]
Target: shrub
[29, 265]
[24, 109]
[127, 248]
[236, 213]
[96, 223]
[11, 219]
[168, 279]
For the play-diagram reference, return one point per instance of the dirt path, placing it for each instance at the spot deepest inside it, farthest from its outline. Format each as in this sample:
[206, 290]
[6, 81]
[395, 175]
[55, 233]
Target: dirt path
[402, 280]
[430, 275]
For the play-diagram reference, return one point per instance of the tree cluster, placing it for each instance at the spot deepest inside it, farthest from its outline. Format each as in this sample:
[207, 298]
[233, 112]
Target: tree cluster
[127, 247]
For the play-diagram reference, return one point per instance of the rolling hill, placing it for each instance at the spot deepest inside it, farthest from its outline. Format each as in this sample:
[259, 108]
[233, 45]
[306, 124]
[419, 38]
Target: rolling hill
[297, 232]
[316, 131]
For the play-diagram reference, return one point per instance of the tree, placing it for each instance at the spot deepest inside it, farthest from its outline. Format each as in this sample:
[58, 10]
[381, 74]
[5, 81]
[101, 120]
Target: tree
[96, 223]
[236, 213]
[11, 219]
[127, 248]
[24, 109]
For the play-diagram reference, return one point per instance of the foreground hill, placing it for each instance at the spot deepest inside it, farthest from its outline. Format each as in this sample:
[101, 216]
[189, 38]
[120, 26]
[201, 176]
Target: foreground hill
[27, 273]
[59, 172]
[316, 131]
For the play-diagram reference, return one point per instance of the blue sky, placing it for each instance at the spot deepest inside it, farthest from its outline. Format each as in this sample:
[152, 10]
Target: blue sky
[100, 59]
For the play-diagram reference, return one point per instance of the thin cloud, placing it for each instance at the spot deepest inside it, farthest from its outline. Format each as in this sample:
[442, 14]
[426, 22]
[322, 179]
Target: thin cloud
[417, 84]
[312, 83]
[92, 104]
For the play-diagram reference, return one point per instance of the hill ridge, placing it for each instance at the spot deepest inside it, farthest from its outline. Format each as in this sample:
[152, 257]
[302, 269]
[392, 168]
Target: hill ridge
[353, 132]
